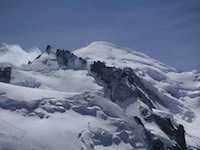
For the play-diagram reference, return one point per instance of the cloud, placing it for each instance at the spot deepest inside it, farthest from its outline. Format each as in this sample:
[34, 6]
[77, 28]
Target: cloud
[14, 54]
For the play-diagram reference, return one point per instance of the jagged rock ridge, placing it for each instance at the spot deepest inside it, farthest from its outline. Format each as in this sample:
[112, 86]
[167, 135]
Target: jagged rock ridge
[59, 58]
[124, 84]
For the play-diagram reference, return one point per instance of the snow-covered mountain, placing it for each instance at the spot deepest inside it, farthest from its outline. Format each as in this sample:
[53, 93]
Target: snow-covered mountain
[99, 97]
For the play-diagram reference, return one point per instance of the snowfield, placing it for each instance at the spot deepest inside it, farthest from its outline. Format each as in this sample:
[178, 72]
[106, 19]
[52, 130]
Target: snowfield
[121, 57]
[46, 107]
[14, 54]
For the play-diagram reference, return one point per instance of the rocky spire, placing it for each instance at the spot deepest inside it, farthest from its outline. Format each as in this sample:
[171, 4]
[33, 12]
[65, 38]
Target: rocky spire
[48, 49]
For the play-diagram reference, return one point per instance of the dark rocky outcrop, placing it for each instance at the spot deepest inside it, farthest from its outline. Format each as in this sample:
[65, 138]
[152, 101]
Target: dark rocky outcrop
[5, 74]
[48, 49]
[175, 132]
[123, 84]
[68, 60]
[157, 144]
[120, 84]
[115, 84]
[64, 58]
[153, 142]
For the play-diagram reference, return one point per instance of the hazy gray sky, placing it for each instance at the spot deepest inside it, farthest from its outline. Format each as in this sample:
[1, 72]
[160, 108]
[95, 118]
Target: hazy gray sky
[168, 30]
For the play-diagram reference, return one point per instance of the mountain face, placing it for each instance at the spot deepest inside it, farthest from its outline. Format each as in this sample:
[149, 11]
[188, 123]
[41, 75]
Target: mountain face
[100, 97]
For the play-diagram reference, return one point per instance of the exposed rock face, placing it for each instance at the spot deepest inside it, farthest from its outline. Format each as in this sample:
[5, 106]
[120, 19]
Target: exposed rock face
[58, 59]
[66, 59]
[115, 82]
[120, 84]
[172, 131]
[154, 143]
[123, 84]
[48, 49]
[5, 74]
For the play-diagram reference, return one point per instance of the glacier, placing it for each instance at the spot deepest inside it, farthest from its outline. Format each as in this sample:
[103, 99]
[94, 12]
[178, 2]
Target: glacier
[98, 97]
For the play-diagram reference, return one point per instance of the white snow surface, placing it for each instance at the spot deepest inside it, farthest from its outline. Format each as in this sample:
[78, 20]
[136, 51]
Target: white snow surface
[15, 55]
[174, 87]
[114, 55]
[180, 92]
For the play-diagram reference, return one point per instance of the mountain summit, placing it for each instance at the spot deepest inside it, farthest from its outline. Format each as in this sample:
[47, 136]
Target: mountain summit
[118, 56]
[99, 97]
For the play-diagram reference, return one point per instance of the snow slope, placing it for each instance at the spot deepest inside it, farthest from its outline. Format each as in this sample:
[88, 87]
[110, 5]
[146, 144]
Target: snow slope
[175, 88]
[121, 57]
[59, 80]
[15, 55]
[47, 107]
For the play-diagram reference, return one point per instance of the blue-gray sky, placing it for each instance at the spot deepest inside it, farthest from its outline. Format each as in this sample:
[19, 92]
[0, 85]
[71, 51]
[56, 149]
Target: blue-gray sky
[168, 30]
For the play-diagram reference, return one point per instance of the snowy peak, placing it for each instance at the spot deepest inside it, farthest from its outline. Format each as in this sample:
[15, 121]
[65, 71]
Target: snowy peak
[54, 59]
[101, 96]
[50, 50]
[121, 57]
